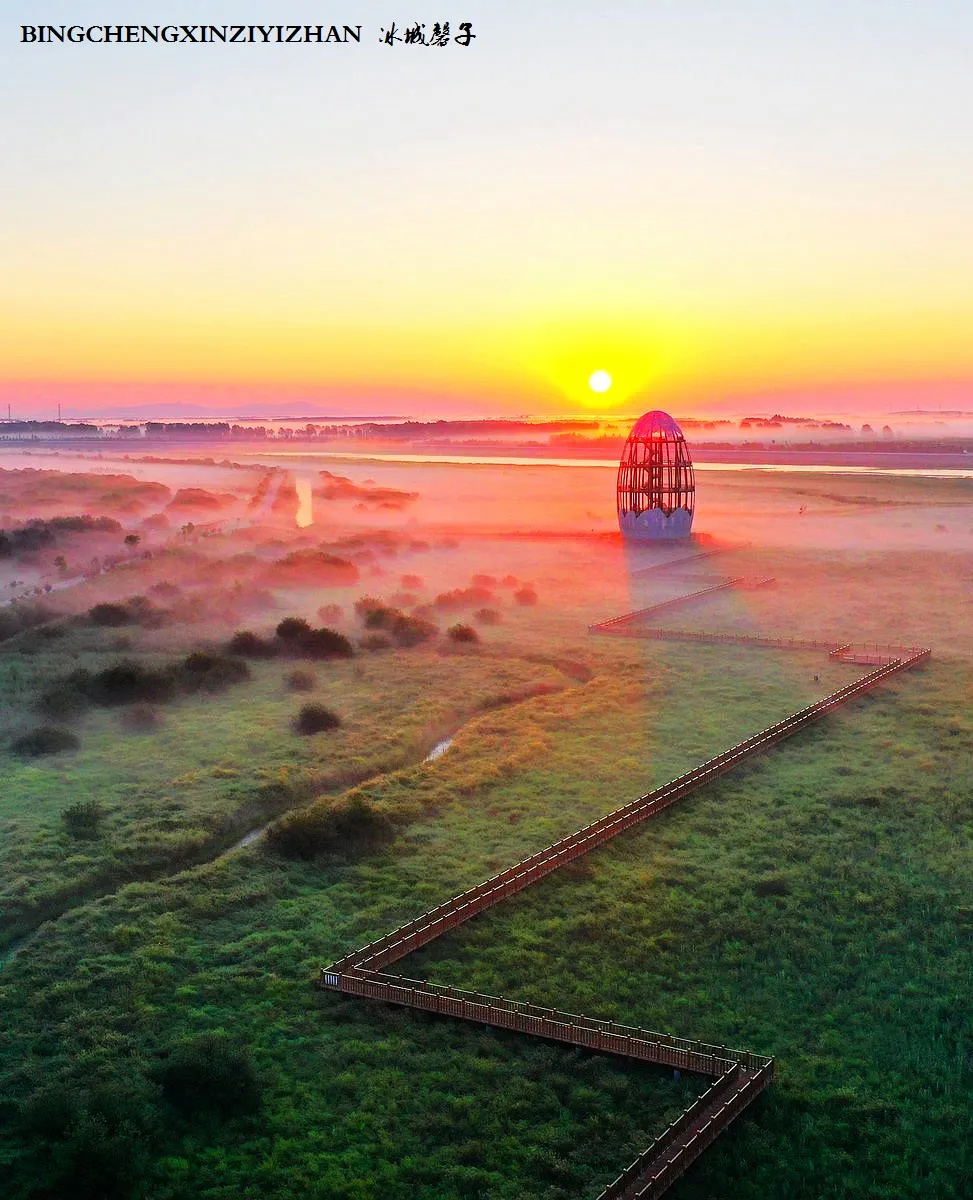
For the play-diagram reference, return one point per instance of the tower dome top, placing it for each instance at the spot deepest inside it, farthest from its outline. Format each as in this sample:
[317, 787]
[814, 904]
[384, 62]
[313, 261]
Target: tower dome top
[655, 422]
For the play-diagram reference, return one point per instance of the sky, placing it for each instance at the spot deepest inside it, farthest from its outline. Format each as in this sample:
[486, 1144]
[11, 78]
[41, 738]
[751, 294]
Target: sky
[718, 204]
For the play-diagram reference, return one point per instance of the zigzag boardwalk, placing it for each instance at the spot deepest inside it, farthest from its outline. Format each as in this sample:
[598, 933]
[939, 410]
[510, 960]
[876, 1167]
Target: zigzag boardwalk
[740, 1075]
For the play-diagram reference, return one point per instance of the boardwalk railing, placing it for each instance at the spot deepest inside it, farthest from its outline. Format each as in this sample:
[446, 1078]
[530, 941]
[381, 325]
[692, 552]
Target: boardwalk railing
[639, 614]
[686, 559]
[863, 653]
[605, 1037]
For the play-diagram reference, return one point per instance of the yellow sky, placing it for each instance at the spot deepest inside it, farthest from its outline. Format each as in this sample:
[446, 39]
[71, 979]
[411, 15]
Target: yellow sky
[717, 203]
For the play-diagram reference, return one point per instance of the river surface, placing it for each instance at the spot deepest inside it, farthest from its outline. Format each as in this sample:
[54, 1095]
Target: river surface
[489, 460]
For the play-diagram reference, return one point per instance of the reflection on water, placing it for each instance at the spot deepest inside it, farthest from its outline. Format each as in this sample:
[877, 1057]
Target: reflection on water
[439, 749]
[305, 504]
[514, 461]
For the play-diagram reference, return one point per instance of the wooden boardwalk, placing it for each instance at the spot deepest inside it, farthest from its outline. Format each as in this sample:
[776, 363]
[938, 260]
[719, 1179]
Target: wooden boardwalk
[739, 1076]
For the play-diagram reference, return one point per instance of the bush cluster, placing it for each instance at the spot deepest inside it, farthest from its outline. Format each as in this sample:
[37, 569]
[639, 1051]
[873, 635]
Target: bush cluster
[315, 718]
[401, 628]
[95, 1136]
[142, 718]
[295, 637]
[301, 681]
[349, 826]
[46, 739]
[248, 644]
[316, 566]
[38, 533]
[130, 682]
[462, 633]
[209, 1074]
[82, 820]
[471, 597]
[15, 618]
[375, 641]
[209, 671]
[136, 610]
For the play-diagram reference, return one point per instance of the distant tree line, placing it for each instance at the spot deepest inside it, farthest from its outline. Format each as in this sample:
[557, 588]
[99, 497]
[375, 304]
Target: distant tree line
[37, 534]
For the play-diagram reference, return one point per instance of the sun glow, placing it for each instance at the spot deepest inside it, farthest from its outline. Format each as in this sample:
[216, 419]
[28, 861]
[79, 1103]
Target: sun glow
[600, 381]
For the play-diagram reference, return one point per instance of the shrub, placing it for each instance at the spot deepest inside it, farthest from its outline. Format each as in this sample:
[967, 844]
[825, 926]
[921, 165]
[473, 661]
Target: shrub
[487, 616]
[484, 581]
[45, 739]
[141, 718]
[411, 582]
[375, 641]
[381, 616]
[99, 1133]
[137, 610]
[142, 611]
[462, 633]
[209, 1073]
[325, 643]
[110, 615]
[204, 670]
[66, 698]
[350, 825]
[525, 595]
[330, 612]
[772, 885]
[410, 631]
[300, 681]
[315, 567]
[367, 604]
[81, 820]
[464, 598]
[292, 628]
[315, 718]
[250, 645]
[127, 682]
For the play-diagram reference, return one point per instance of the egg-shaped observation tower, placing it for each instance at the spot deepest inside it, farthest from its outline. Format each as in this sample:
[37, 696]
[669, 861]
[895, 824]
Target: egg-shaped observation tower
[656, 485]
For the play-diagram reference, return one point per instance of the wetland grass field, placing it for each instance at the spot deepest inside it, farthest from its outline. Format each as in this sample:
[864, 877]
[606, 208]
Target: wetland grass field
[161, 1037]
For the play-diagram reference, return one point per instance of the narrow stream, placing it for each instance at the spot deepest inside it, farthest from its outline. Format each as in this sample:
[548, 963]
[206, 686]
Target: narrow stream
[8, 953]
[305, 502]
[248, 839]
[439, 749]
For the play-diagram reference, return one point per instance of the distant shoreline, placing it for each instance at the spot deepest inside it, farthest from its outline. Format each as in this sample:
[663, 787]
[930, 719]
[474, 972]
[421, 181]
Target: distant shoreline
[509, 454]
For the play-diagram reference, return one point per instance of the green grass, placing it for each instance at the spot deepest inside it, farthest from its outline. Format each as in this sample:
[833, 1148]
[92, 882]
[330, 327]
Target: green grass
[812, 905]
